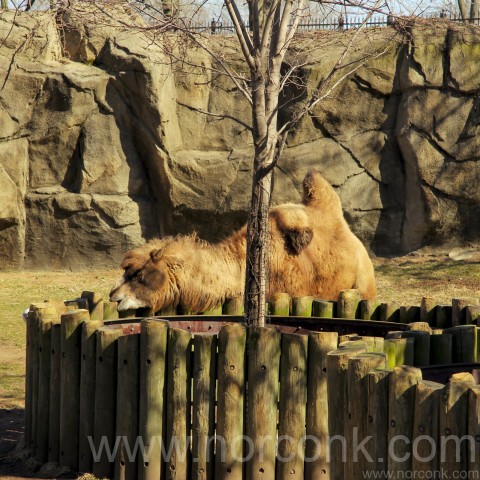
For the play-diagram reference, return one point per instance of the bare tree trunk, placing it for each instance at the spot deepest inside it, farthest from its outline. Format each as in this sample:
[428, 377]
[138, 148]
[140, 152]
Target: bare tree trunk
[462, 5]
[474, 10]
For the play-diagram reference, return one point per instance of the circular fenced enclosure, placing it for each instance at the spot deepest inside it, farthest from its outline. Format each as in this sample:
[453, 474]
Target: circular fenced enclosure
[328, 390]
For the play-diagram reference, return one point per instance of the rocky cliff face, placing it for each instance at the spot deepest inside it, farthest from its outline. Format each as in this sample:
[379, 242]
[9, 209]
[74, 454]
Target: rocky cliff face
[100, 147]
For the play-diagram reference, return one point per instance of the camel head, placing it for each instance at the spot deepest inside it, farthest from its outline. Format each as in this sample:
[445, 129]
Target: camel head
[148, 280]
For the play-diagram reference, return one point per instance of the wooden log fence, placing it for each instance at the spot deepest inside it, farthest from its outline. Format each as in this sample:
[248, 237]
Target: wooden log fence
[207, 397]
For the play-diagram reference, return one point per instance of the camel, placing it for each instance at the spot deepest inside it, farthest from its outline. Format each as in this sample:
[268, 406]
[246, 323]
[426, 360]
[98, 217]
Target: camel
[312, 251]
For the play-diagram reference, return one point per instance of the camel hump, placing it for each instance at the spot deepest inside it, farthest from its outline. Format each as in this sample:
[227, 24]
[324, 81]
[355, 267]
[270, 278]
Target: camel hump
[293, 223]
[317, 191]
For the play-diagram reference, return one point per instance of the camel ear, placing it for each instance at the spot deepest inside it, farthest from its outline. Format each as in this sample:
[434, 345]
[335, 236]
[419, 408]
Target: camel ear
[297, 240]
[156, 255]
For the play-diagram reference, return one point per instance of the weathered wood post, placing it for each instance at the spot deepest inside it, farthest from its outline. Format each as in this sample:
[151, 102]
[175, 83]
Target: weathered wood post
[316, 461]
[348, 304]
[54, 410]
[425, 427]
[441, 349]
[280, 304]
[203, 422]
[454, 425]
[127, 406]
[302, 306]
[356, 423]
[377, 418]
[263, 379]
[403, 381]
[87, 393]
[233, 306]
[105, 400]
[71, 329]
[337, 371]
[474, 430]
[323, 309]
[153, 363]
[464, 347]
[231, 401]
[292, 408]
[179, 348]
[370, 309]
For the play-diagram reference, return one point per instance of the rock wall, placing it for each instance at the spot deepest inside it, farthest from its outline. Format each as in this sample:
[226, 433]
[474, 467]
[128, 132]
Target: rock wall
[101, 146]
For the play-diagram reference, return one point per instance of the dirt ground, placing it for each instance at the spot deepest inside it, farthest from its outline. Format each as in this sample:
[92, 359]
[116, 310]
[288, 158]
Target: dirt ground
[403, 280]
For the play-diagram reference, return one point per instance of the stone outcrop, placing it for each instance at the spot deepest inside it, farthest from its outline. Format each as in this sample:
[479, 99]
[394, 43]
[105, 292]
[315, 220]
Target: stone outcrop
[102, 144]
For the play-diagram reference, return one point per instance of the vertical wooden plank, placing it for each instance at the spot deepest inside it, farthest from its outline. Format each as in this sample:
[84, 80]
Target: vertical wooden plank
[454, 425]
[399, 351]
[203, 411]
[348, 304]
[323, 309]
[127, 407]
[458, 310]
[233, 306]
[464, 347]
[356, 421]
[302, 306]
[292, 408]
[425, 428]
[110, 311]
[44, 363]
[279, 304]
[29, 365]
[153, 362]
[374, 344]
[231, 401]
[377, 425]
[70, 385]
[179, 350]
[421, 347]
[428, 311]
[316, 462]
[443, 316]
[95, 304]
[370, 309]
[87, 393]
[441, 349]
[337, 372]
[401, 407]
[474, 430]
[263, 385]
[104, 442]
[54, 410]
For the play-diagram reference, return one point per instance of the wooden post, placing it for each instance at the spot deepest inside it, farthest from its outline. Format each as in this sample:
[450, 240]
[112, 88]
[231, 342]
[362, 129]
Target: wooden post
[110, 311]
[441, 349]
[454, 425]
[179, 350]
[421, 347]
[357, 413]
[389, 312]
[458, 310]
[377, 418]
[348, 304]
[370, 309]
[71, 330]
[323, 309]
[472, 314]
[337, 373]
[280, 304]
[421, 326]
[443, 316]
[233, 306]
[316, 464]
[105, 400]
[127, 406]
[87, 393]
[153, 351]
[95, 304]
[302, 306]
[427, 401]
[474, 430]
[401, 409]
[231, 401]
[263, 378]
[44, 369]
[203, 426]
[399, 351]
[464, 347]
[54, 410]
[292, 408]
[374, 344]
[428, 311]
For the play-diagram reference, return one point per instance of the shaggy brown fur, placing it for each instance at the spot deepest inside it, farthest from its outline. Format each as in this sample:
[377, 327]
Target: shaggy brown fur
[312, 251]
